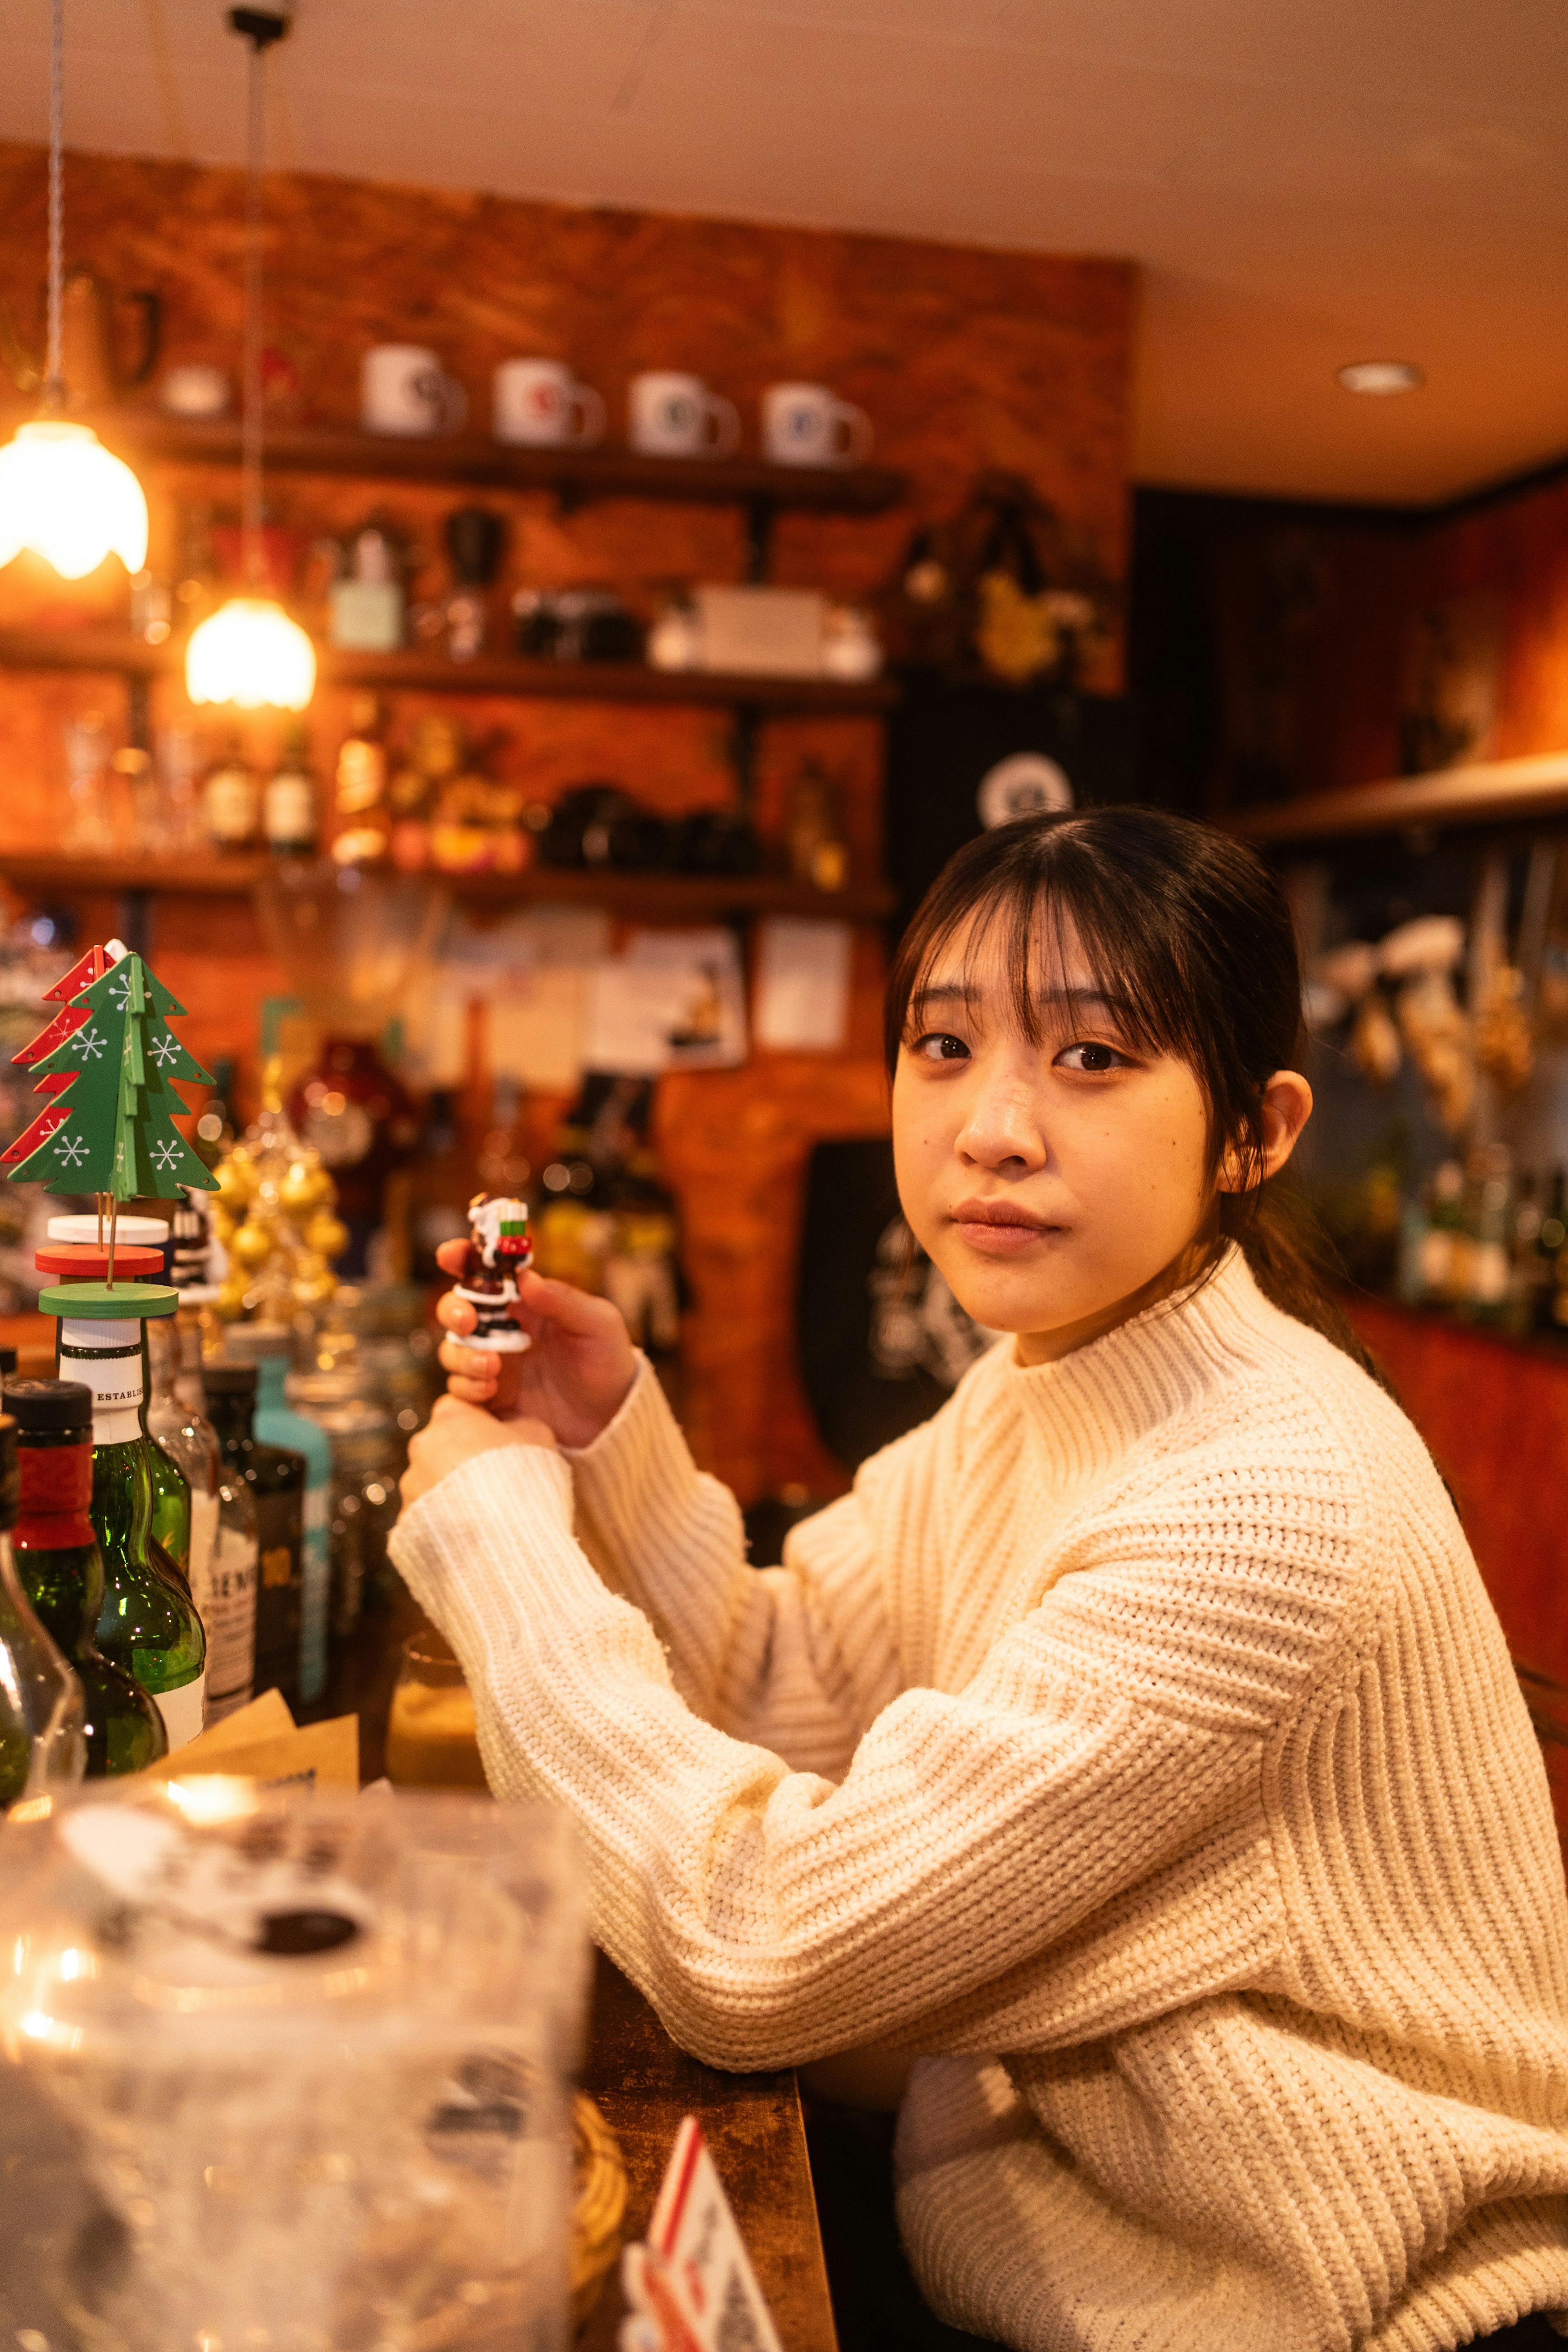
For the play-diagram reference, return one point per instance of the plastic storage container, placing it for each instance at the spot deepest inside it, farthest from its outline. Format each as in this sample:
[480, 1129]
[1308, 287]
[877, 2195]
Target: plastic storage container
[314, 2053]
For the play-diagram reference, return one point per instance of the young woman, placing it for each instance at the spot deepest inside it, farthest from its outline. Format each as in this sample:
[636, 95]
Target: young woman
[1134, 1746]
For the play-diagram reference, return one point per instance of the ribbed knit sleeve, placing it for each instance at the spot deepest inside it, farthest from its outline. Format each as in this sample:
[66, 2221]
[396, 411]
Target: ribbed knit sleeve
[797, 1658]
[770, 1915]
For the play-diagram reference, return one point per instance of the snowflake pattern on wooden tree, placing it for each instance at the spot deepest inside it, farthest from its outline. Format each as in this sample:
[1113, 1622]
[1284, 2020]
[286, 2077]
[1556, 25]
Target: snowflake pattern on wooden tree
[108, 1061]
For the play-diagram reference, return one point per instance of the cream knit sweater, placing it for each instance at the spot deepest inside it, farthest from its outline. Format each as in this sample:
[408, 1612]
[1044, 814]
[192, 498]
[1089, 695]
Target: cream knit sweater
[1137, 1740]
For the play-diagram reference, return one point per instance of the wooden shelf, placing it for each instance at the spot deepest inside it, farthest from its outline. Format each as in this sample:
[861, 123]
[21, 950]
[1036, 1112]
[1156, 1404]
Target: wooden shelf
[648, 897]
[473, 462]
[501, 675]
[1491, 791]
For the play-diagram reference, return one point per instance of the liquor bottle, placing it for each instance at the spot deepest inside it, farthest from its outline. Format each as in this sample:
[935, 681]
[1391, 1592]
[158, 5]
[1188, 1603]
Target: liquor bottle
[289, 804]
[184, 1505]
[61, 1568]
[275, 1477]
[1524, 1259]
[227, 1598]
[148, 1625]
[271, 1350]
[233, 802]
[1489, 1224]
[1441, 1248]
[42, 1715]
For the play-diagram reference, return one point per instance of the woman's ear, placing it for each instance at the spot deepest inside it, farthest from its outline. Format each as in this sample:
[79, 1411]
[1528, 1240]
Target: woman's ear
[1287, 1105]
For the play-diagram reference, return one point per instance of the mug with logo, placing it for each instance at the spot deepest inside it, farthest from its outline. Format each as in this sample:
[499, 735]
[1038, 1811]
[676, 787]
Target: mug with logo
[539, 404]
[807, 424]
[403, 388]
[676, 416]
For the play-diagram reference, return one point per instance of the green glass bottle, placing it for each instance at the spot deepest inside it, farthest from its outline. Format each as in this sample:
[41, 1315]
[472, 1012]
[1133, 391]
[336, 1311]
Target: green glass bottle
[61, 1568]
[43, 1741]
[148, 1625]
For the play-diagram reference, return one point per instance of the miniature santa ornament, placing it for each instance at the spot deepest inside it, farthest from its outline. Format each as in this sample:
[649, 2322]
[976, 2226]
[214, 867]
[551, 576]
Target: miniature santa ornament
[498, 1251]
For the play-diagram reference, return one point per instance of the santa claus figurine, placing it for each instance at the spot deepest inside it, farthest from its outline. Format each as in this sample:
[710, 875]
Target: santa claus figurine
[498, 1250]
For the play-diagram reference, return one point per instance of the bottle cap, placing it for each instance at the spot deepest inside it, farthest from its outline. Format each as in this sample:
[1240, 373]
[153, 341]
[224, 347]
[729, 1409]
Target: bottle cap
[96, 1302]
[150, 1232]
[85, 1262]
[229, 1379]
[49, 1405]
[10, 1473]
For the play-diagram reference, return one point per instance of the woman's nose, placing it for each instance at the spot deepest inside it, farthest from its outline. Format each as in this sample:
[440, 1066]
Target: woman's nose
[1002, 1128]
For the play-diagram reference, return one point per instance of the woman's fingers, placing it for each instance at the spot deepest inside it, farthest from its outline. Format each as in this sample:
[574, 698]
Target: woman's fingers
[450, 1256]
[457, 1314]
[468, 1363]
[578, 1312]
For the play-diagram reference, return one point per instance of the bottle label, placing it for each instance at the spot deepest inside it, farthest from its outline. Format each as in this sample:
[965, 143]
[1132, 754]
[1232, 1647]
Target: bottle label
[315, 1597]
[107, 1356]
[290, 809]
[203, 1534]
[183, 1711]
[225, 1603]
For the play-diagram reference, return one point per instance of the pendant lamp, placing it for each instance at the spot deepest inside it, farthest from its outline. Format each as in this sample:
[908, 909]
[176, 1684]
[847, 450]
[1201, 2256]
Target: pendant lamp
[62, 493]
[249, 652]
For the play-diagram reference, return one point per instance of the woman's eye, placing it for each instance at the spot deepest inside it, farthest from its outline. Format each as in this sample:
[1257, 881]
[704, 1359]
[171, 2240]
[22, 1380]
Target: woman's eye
[940, 1046]
[1092, 1058]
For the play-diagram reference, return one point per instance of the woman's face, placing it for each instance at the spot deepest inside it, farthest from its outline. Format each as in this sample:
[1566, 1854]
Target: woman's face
[1058, 1186]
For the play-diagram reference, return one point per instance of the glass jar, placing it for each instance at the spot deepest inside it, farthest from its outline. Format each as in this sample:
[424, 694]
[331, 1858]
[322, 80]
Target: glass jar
[363, 1501]
[431, 1742]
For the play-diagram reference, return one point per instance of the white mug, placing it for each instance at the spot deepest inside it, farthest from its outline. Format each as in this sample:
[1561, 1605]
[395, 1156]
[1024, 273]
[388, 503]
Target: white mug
[403, 388]
[676, 416]
[194, 390]
[806, 424]
[532, 402]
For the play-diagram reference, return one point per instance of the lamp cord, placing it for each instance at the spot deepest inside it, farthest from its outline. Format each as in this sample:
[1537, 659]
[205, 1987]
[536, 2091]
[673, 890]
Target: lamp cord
[54, 387]
[250, 423]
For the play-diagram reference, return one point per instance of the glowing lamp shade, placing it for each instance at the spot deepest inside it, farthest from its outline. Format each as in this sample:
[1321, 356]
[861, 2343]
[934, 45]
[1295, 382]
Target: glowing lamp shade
[250, 653]
[68, 499]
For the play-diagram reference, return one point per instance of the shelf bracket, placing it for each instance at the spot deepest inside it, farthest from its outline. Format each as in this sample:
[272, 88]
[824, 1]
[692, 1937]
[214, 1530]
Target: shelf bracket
[760, 512]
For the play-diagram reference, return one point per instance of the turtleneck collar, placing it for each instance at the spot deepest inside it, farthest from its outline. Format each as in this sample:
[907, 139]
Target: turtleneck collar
[1087, 1409]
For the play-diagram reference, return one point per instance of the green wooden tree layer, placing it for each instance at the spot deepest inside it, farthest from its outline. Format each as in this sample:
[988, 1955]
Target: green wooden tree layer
[110, 1125]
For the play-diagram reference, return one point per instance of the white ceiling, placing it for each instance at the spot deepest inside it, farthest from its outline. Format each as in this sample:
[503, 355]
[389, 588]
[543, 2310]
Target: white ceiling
[1304, 181]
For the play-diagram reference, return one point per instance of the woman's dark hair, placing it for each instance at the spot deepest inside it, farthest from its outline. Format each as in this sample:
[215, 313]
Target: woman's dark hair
[1189, 935]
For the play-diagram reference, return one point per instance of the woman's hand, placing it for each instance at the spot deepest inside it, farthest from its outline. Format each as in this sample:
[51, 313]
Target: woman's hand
[574, 1378]
[454, 1435]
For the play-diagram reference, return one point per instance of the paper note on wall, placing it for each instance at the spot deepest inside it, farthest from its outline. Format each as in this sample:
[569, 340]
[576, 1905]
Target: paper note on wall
[673, 1000]
[531, 973]
[802, 1004]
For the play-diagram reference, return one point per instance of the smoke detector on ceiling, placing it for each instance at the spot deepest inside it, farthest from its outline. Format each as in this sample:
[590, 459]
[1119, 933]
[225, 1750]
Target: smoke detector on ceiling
[1381, 377]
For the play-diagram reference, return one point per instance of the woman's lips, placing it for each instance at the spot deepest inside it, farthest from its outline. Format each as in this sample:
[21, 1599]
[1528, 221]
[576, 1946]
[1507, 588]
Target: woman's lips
[998, 1230]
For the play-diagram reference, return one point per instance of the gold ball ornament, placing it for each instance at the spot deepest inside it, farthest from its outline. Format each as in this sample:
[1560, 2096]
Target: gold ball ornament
[326, 1234]
[252, 1246]
[237, 1178]
[306, 1187]
[314, 1281]
[229, 1304]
